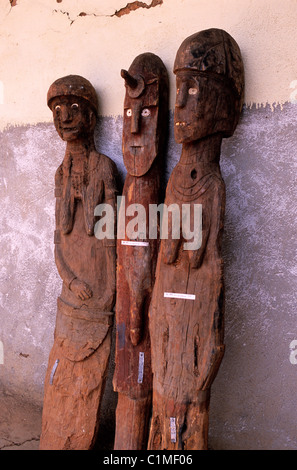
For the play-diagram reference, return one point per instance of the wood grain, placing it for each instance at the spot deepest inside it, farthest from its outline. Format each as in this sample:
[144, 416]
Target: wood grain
[77, 366]
[144, 132]
[187, 335]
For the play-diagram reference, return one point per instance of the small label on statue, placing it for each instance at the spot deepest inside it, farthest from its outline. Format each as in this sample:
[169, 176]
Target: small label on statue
[175, 295]
[173, 429]
[53, 371]
[140, 368]
[134, 243]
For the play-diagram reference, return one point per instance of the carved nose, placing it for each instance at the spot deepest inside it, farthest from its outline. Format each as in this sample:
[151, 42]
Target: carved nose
[65, 113]
[135, 124]
[135, 120]
[181, 96]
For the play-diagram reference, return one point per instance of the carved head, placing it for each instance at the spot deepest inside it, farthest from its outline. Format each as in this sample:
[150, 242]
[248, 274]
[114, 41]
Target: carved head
[145, 110]
[73, 101]
[209, 86]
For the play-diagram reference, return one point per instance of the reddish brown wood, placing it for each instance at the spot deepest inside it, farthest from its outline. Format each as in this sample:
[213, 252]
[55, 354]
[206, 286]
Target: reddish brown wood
[187, 334]
[77, 366]
[144, 128]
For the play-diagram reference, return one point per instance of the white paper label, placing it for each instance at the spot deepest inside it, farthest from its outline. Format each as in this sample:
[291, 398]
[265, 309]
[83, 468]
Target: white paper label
[173, 429]
[53, 371]
[132, 243]
[175, 295]
[140, 367]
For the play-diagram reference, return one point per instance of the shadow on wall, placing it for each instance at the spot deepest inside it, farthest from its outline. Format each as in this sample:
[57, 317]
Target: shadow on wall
[253, 393]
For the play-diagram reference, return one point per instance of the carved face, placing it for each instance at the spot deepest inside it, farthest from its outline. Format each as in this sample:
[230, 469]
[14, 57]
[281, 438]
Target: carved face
[73, 117]
[210, 85]
[140, 133]
[200, 106]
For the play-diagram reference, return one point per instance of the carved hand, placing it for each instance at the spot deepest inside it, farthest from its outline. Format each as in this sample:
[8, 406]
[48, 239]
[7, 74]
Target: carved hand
[170, 250]
[81, 289]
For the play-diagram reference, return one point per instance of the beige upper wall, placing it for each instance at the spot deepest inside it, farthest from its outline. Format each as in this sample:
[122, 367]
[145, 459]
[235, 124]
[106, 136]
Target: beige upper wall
[41, 40]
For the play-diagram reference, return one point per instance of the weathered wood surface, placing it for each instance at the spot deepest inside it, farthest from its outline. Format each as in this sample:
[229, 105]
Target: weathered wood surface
[77, 366]
[144, 130]
[187, 335]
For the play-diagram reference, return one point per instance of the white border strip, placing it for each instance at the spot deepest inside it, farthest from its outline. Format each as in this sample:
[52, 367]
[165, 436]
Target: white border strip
[1, 353]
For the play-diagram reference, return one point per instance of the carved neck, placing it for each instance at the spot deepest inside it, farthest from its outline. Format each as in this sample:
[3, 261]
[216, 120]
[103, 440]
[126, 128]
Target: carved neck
[204, 151]
[79, 149]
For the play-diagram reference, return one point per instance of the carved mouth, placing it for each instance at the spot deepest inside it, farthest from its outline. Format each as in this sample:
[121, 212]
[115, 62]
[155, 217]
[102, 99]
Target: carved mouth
[135, 149]
[69, 129]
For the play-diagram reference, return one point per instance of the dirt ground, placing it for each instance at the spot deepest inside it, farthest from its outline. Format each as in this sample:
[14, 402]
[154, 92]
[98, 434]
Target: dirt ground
[20, 423]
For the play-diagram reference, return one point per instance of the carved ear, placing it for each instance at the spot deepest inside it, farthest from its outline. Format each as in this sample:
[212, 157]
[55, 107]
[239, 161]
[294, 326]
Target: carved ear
[92, 119]
[130, 81]
[135, 85]
[225, 114]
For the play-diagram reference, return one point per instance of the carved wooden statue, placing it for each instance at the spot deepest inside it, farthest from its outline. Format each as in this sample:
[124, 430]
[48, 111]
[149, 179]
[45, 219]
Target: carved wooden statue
[75, 378]
[187, 307]
[144, 130]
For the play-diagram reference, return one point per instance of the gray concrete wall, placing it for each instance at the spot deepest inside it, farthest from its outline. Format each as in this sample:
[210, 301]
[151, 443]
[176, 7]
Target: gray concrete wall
[253, 396]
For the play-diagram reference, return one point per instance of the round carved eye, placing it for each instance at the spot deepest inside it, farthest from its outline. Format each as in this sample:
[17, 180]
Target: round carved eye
[74, 106]
[193, 91]
[129, 112]
[145, 112]
[57, 107]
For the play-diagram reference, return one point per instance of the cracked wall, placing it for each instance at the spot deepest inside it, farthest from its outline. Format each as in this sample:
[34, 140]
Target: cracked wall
[135, 5]
[252, 404]
[98, 38]
[121, 12]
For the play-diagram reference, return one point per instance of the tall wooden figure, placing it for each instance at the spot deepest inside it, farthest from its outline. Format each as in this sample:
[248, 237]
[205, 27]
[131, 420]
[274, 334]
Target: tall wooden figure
[144, 132]
[77, 367]
[187, 307]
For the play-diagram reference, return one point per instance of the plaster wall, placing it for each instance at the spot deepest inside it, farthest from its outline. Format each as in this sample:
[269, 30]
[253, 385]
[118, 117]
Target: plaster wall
[253, 399]
[45, 39]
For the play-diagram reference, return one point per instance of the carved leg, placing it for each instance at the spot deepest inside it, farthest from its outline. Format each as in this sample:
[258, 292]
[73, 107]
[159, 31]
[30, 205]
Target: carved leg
[195, 436]
[72, 398]
[132, 421]
[179, 426]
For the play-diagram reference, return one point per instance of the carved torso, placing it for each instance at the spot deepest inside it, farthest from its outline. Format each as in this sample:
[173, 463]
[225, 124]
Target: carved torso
[135, 280]
[189, 319]
[79, 189]
[187, 334]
